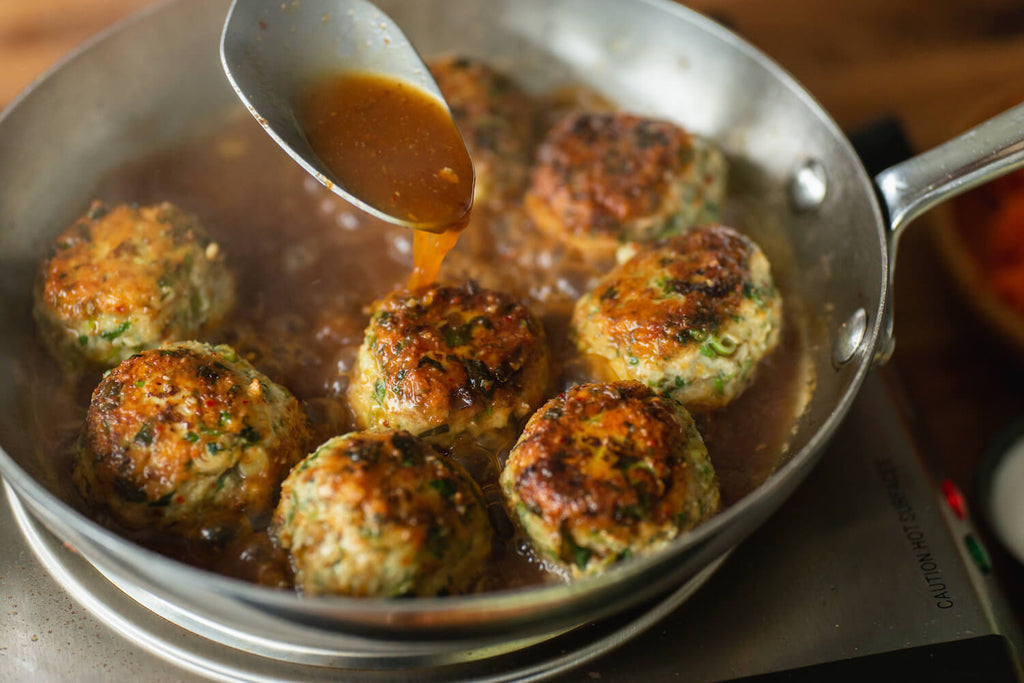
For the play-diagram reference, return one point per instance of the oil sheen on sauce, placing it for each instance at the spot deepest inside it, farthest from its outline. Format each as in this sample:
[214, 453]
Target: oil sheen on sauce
[307, 264]
[395, 147]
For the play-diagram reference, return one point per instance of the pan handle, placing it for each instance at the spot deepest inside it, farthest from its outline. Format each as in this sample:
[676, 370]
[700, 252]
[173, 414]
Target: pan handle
[911, 187]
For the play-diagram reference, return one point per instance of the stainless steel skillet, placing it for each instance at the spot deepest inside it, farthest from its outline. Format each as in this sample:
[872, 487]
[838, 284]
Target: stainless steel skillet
[157, 79]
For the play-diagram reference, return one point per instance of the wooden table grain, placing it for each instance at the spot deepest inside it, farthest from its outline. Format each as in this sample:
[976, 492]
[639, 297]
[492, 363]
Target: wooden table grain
[927, 62]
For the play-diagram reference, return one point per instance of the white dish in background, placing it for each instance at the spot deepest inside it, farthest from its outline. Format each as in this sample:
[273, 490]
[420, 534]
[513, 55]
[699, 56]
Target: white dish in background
[1002, 489]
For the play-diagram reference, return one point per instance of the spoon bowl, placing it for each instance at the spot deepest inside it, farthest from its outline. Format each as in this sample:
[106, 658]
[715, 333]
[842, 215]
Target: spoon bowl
[273, 52]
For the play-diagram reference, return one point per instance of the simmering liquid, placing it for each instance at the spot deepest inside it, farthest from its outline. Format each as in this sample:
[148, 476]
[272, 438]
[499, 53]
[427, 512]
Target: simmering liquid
[396, 148]
[308, 264]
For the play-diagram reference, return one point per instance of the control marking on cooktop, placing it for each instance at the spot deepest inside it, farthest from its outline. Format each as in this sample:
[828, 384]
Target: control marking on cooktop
[914, 534]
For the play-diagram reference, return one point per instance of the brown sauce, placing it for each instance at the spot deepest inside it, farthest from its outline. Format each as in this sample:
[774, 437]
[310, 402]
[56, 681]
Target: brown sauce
[308, 264]
[428, 252]
[396, 148]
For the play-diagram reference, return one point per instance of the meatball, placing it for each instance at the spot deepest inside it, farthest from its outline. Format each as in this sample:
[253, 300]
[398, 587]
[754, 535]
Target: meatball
[601, 179]
[450, 361]
[691, 315]
[608, 471]
[126, 278]
[189, 439]
[497, 121]
[382, 514]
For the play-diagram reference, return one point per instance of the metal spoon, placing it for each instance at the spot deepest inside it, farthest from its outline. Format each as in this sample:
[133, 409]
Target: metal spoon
[272, 50]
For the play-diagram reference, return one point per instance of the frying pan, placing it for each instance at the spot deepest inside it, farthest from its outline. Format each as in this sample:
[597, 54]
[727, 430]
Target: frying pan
[829, 230]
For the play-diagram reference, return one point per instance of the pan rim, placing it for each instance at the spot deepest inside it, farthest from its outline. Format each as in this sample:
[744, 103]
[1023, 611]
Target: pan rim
[56, 512]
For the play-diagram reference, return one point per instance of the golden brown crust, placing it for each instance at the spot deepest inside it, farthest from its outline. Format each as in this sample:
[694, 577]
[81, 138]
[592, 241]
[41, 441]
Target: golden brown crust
[125, 278]
[606, 470]
[382, 513]
[692, 315]
[596, 172]
[186, 437]
[449, 359]
[698, 285]
[601, 179]
[559, 475]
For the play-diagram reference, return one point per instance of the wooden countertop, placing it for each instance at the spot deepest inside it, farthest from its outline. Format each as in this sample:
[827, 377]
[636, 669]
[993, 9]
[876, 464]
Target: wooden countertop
[927, 62]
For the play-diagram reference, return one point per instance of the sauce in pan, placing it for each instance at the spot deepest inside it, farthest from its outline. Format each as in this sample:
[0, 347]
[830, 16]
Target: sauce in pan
[396, 148]
[308, 264]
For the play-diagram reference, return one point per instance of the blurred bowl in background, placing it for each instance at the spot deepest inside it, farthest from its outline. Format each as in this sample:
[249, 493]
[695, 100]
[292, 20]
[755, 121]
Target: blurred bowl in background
[1001, 487]
[980, 237]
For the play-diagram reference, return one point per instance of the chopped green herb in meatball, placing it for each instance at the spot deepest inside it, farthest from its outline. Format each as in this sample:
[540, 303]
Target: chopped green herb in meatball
[126, 278]
[604, 472]
[382, 514]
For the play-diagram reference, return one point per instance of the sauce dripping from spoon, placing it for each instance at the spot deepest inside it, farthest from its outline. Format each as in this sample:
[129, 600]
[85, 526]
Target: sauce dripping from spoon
[396, 148]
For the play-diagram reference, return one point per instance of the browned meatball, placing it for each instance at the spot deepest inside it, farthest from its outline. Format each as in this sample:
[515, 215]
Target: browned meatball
[601, 179]
[691, 315]
[383, 514]
[126, 278]
[496, 119]
[189, 439]
[608, 471]
[449, 361]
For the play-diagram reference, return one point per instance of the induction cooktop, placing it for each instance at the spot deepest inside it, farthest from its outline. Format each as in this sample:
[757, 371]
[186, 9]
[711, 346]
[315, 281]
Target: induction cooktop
[873, 568]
